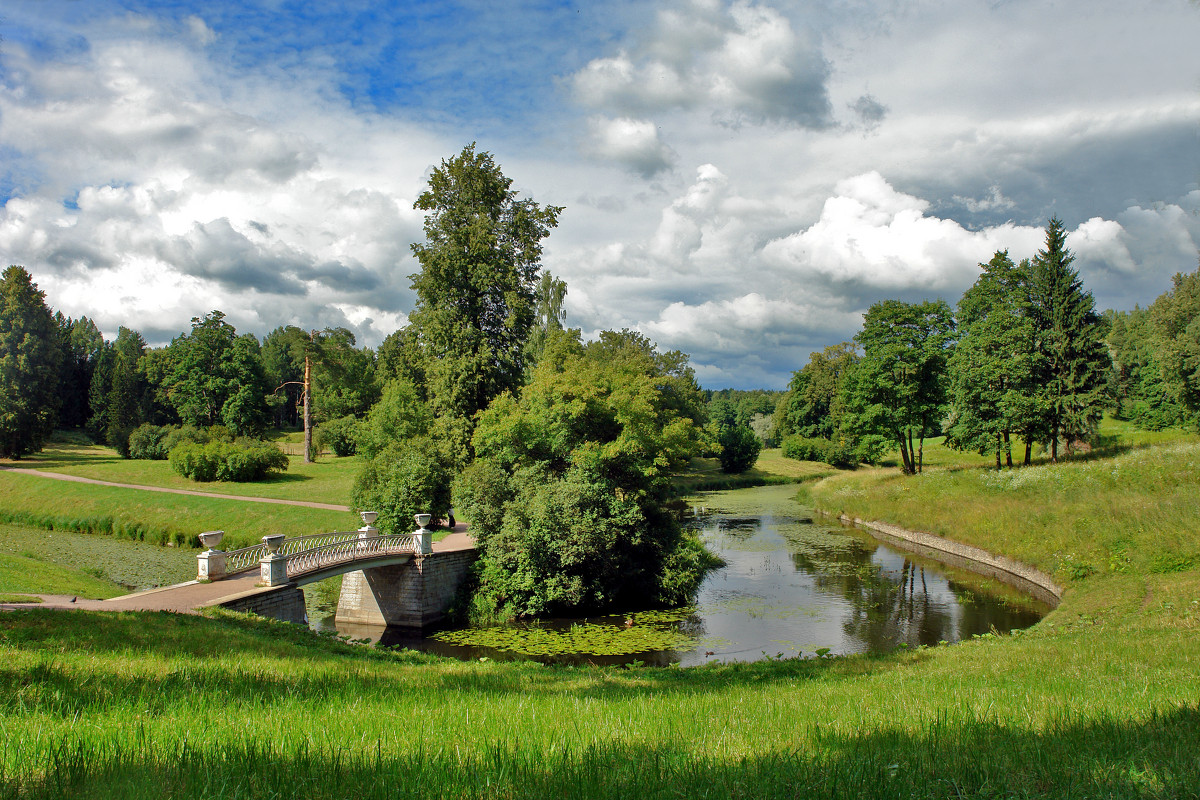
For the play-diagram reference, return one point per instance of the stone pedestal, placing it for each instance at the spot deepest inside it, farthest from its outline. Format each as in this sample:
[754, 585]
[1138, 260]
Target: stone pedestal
[210, 565]
[273, 569]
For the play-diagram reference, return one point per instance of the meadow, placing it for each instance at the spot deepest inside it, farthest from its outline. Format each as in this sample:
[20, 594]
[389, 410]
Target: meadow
[1100, 699]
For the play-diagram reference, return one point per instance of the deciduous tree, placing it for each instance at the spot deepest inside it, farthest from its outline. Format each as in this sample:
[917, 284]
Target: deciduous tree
[476, 291]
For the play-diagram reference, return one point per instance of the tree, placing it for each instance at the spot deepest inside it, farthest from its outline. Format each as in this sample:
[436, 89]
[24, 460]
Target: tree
[550, 316]
[1175, 318]
[991, 387]
[898, 389]
[812, 407]
[567, 494]
[126, 407]
[30, 360]
[217, 377]
[81, 342]
[476, 291]
[1073, 360]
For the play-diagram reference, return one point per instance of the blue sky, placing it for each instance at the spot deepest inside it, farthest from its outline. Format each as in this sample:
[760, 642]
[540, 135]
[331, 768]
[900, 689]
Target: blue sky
[741, 179]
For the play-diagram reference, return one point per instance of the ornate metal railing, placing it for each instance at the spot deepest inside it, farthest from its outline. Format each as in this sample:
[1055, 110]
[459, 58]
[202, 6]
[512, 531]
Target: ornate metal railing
[248, 558]
[313, 559]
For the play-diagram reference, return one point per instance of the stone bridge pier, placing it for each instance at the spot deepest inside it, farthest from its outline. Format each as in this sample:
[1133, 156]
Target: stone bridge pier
[412, 595]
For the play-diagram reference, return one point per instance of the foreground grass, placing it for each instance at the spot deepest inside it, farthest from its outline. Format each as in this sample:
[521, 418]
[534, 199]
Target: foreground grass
[152, 705]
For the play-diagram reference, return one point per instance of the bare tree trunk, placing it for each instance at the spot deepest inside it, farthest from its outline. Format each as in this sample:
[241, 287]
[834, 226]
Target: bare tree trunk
[1007, 450]
[307, 410]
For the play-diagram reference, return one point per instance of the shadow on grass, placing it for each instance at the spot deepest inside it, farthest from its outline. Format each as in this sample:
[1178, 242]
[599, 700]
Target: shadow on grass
[949, 757]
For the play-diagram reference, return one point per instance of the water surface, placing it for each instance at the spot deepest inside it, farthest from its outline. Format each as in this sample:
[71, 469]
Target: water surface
[792, 585]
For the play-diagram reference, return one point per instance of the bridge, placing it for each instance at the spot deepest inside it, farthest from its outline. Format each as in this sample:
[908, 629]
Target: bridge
[402, 580]
[396, 580]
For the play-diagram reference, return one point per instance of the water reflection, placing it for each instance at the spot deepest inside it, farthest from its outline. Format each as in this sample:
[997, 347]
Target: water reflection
[791, 586]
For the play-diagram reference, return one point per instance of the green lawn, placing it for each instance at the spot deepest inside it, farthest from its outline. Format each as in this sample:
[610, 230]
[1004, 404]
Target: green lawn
[328, 480]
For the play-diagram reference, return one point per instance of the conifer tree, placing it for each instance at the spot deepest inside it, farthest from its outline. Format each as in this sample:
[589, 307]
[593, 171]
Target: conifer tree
[30, 360]
[1073, 360]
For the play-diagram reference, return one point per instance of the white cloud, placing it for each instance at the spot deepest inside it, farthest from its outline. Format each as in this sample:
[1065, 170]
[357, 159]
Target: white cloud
[632, 142]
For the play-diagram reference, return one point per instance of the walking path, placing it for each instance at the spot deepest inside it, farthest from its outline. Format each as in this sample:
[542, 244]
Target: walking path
[58, 476]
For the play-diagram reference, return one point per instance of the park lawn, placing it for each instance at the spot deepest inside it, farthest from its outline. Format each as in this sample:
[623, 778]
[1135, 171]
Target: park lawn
[24, 574]
[1100, 699]
[328, 480]
[704, 474]
[155, 517]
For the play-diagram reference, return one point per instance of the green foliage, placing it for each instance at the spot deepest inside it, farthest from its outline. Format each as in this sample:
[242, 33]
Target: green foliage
[1073, 362]
[898, 389]
[217, 377]
[399, 415]
[812, 406]
[224, 461]
[403, 479]
[30, 361]
[338, 435]
[826, 451]
[81, 343]
[992, 385]
[149, 442]
[739, 448]
[566, 498]
[476, 290]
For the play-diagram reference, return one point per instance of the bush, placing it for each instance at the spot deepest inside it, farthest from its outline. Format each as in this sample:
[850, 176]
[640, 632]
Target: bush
[338, 435]
[827, 452]
[226, 461]
[148, 442]
[406, 478]
[739, 448]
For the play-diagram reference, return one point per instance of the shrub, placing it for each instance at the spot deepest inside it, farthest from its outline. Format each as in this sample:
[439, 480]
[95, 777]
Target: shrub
[339, 435]
[148, 441]
[827, 452]
[739, 448]
[225, 461]
[406, 478]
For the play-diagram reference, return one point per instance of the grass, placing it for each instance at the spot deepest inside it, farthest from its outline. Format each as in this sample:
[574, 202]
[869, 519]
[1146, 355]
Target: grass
[328, 480]
[23, 573]
[53, 562]
[704, 474]
[155, 517]
[1101, 699]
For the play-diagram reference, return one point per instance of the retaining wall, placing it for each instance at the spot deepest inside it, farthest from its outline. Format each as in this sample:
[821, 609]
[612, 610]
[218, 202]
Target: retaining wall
[284, 602]
[1022, 576]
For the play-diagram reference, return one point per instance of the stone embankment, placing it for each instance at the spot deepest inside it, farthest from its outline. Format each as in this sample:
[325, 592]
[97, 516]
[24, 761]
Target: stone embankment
[1022, 576]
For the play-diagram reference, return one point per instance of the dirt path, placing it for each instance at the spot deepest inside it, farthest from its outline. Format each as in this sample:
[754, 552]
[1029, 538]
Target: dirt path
[76, 479]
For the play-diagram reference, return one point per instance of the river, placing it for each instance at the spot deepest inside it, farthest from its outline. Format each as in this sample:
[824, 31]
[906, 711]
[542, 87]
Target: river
[793, 584]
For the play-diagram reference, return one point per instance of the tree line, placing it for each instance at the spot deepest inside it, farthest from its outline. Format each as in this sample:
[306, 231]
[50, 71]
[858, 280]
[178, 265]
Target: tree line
[1023, 357]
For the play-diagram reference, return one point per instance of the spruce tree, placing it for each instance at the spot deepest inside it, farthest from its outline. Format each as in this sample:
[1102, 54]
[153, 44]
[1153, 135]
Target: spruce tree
[1073, 360]
[30, 360]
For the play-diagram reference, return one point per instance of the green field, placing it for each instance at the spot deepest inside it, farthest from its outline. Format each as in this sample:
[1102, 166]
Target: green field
[1101, 699]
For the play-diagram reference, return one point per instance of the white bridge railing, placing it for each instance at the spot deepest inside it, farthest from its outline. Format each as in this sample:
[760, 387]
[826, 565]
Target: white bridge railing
[281, 559]
[248, 558]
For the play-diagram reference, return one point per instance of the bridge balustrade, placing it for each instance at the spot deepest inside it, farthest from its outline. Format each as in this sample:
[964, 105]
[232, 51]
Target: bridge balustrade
[282, 559]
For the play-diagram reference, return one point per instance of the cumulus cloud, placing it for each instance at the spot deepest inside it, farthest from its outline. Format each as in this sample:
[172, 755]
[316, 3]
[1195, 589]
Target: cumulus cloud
[738, 63]
[633, 142]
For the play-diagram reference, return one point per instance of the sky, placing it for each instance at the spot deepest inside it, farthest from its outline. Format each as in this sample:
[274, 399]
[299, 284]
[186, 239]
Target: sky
[740, 180]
